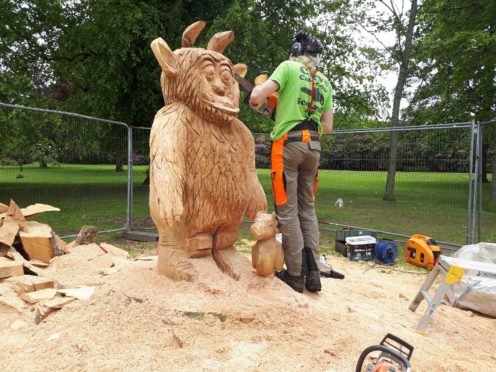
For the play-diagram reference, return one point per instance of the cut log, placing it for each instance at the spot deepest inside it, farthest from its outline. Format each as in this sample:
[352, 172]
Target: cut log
[30, 283]
[114, 251]
[103, 261]
[10, 268]
[15, 212]
[37, 241]
[8, 230]
[57, 251]
[37, 296]
[61, 244]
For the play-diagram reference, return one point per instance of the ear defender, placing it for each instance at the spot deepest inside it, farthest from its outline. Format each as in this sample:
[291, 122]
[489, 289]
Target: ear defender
[297, 49]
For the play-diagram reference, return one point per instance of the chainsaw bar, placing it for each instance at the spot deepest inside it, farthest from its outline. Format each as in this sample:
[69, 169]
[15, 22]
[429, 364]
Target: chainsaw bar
[244, 84]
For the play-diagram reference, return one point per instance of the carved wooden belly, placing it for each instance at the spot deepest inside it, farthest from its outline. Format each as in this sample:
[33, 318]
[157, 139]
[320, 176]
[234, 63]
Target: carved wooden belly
[215, 188]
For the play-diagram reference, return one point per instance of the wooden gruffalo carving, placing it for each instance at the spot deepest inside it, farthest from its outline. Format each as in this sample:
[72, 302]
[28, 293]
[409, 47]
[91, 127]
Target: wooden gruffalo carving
[202, 160]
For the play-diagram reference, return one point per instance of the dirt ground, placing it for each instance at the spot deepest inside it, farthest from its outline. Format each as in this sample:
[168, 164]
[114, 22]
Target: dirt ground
[138, 320]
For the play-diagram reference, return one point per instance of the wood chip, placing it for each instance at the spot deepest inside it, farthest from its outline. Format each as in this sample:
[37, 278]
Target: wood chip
[29, 211]
[10, 268]
[37, 296]
[12, 304]
[146, 258]
[8, 231]
[3, 208]
[39, 263]
[15, 212]
[81, 293]
[30, 283]
[4, 250]
[114, 251]
[58, 302]
[176, 341]
[37, 208]
[88, 252]
[103, 261]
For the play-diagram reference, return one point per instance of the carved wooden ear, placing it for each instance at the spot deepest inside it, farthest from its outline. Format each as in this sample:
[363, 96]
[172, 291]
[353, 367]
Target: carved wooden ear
[220, 41]
[191, 33]
[240, 69]
[164, 56]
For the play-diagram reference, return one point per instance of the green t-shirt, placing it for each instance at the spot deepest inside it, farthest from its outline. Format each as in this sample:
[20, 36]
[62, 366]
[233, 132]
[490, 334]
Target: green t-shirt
[295, 89]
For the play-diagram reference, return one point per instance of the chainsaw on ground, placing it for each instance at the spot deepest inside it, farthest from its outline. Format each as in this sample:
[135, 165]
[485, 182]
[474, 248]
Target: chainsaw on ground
[326, 269]
[393, 356]
[269, 105]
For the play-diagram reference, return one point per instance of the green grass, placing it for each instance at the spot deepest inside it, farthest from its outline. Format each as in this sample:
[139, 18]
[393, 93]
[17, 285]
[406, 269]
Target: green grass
[434, 204]
[86, 194]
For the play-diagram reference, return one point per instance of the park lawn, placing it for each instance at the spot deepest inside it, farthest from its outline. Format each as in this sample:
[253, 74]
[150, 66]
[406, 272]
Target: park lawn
[434, 204]
[86, 194]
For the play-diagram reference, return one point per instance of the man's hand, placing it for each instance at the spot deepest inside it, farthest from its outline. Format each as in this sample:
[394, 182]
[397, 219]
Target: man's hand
[262, 91]
[327, 120]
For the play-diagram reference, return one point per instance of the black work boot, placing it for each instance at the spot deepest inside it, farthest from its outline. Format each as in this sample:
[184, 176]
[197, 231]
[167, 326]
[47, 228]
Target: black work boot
[295, 282]
[312, 280]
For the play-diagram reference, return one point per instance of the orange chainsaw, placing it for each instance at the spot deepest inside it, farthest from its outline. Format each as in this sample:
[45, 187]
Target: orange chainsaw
[268, 108]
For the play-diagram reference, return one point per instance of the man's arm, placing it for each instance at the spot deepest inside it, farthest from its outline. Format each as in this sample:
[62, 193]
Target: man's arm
[262, 91]
[327, 120]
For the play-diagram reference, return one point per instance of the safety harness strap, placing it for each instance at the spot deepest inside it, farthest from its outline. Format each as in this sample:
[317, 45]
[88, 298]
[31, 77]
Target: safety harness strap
[310, 106]
[306, 136]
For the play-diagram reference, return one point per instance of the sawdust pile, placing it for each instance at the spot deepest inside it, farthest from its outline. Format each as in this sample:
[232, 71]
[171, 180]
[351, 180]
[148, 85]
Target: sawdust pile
[139, 320]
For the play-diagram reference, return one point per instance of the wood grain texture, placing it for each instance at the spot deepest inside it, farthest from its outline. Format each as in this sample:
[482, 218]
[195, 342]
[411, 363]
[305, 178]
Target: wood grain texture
[202, 159]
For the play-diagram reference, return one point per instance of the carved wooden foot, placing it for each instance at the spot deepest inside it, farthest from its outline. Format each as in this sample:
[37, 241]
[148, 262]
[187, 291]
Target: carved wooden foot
[224, 258]
[174, 265]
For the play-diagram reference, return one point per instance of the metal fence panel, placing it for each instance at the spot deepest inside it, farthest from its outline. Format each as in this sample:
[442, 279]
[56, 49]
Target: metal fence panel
[435, 194]
[141, 219]
[432, 185]
[70, 161]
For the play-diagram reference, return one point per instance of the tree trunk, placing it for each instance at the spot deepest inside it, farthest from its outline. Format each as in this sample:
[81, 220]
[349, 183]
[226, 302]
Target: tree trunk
[398, 93]
[118, 165]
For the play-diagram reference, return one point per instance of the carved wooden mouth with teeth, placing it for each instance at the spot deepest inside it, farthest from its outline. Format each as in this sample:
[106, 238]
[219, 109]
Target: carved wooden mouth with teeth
[222, 108]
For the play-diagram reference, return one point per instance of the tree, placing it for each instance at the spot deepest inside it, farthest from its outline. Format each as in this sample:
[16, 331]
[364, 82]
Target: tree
[457, 63]
[391, 17]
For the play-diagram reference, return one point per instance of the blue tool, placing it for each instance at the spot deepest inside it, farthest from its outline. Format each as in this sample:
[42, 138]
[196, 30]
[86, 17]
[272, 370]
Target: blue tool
[386, 251]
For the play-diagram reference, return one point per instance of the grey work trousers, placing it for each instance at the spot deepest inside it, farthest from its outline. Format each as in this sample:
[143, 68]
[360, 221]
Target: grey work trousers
[297, 217]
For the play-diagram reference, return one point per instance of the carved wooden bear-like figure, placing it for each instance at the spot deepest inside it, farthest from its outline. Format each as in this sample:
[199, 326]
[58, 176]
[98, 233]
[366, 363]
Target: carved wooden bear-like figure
[202, 160]
[267, 255]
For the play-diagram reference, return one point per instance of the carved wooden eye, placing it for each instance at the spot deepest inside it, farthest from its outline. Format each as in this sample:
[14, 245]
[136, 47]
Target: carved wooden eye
[209, 71]
[225, 75]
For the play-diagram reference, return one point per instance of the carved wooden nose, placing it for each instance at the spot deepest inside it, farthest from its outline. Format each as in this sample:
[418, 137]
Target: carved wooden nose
[219, 87]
